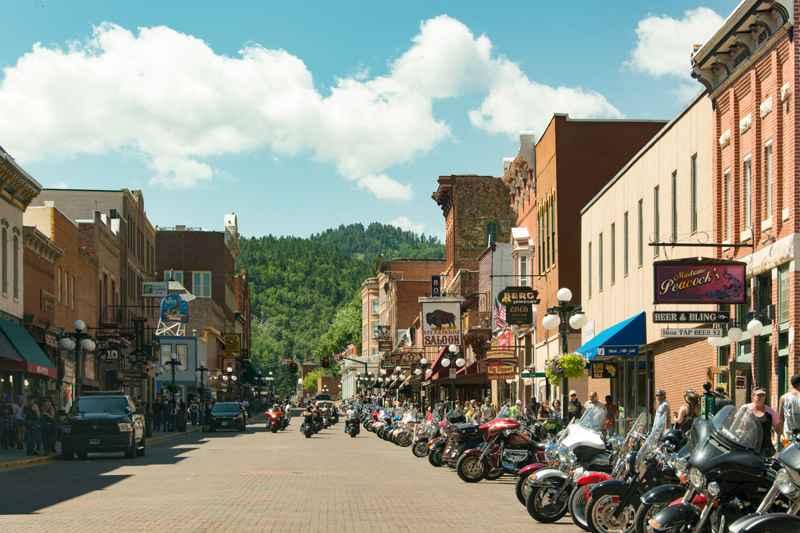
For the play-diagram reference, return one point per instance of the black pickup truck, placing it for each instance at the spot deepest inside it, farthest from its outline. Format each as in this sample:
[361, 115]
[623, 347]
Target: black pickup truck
[103, 422]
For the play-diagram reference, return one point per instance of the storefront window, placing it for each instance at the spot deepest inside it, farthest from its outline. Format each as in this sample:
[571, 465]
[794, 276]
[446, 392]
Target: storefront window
[783, 293]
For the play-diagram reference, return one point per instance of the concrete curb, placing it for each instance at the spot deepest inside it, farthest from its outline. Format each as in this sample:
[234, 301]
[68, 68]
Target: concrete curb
[27, 461]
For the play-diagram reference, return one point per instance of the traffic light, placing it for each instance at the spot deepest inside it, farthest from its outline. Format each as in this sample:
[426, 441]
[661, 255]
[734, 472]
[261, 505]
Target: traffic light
[325, 361]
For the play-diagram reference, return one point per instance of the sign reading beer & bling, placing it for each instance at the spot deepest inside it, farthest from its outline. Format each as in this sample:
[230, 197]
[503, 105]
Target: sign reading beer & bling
[699, 281]
[441, 321]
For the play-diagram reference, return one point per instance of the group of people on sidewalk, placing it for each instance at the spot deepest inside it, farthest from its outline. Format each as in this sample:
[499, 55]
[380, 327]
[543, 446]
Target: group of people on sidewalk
[30, 424]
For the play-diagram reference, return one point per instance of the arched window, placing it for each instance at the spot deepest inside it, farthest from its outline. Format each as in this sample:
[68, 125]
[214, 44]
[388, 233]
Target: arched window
[15, 257]
[491, 232]
[4, 244]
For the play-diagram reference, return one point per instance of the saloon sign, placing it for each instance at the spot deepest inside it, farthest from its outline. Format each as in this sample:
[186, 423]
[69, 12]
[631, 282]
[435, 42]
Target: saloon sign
[699, 281]
[441, 321]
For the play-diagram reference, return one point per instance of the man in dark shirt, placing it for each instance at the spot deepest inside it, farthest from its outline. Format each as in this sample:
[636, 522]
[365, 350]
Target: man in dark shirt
[574, 407]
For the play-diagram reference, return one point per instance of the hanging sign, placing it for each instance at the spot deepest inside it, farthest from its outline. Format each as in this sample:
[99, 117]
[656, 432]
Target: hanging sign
[617, 350]
[436, 286]
[691, 332]
[441, 321]
[699, 281]
[155, 289]
[174, 309]
[501, 369]
[691, 317]
[518, 296]
[233, 344]
[602, 370]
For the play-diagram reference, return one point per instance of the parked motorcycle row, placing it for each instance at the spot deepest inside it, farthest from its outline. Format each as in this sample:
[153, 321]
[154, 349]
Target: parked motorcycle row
[653, 479]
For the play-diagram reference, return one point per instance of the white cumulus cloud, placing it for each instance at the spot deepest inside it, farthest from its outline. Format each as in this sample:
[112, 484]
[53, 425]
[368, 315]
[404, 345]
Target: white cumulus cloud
[170, 98]
[664, 44]
[406, 224]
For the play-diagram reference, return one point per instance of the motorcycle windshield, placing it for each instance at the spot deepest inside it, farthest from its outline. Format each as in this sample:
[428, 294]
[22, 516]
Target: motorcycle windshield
[651, 443]
[739, 427]
[594, 418]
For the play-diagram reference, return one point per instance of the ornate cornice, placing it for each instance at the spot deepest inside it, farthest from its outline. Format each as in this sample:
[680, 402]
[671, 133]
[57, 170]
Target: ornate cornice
[754, 26]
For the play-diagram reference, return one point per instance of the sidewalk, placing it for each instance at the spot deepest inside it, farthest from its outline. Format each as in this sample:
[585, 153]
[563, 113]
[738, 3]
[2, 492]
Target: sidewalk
[18, 458]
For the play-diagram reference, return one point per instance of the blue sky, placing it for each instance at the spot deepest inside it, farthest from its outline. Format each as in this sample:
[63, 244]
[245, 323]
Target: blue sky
[335, 112]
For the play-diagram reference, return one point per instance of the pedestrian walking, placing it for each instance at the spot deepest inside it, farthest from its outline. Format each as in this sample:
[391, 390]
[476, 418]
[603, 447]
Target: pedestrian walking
[789, 408]
[157, 414]
[33, 429]
[767, 418]
[19, 421]
[48, 425]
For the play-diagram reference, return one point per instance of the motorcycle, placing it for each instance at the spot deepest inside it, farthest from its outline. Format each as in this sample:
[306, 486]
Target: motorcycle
[308, 425]
[625, 456]
[275, 419]
[351, 427]
[424, 433]
[580, 444]
[728, 470]
[462, 436]
[613, 503]
[507, 449]
[785, 488]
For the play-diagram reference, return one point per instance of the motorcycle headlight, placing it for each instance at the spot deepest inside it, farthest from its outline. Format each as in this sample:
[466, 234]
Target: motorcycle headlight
[785, 483]
[713, 489]
[697, 479]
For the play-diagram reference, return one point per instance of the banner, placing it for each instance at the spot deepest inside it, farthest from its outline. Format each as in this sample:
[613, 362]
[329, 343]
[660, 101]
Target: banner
[441, 322]
[704, 281]
[174, 309]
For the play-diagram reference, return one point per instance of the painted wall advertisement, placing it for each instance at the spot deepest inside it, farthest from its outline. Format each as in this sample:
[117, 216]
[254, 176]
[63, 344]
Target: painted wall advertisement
[441, 322]
[703, 281]
[174, 309]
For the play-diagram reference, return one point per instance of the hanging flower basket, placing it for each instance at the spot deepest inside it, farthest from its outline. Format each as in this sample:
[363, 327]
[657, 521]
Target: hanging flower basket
[571, 365]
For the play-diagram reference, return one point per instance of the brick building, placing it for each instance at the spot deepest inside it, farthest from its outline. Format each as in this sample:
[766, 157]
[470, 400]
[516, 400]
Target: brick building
[549, 182]
[75, 289]
[204, 263]
[477, 212]
[750, 69]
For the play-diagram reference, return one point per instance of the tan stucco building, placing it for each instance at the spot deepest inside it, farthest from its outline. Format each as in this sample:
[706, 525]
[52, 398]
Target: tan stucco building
[663, 194]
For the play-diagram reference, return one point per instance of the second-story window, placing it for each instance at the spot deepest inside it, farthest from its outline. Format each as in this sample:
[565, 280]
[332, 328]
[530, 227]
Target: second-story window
[523, 271]
[376, 306]
[5, 260]
[15, 258]
[201, 284]
[174, 275]
[747, 193]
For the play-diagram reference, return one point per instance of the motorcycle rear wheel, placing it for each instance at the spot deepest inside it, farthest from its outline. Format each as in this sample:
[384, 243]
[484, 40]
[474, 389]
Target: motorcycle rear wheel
[577, 507]
[435, 458]
[600, 511]
[546, 511]
[420, 449]
[470, 468]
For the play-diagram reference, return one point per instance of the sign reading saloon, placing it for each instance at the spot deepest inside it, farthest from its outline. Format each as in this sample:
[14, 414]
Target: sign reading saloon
[441, 321]
[699, 281]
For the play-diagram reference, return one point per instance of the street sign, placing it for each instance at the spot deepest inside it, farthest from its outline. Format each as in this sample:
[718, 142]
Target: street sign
[617, 350]
[691, 317]
[518, 296]
[527, 374]
[436, 286]
[155, 289]
[691, 332]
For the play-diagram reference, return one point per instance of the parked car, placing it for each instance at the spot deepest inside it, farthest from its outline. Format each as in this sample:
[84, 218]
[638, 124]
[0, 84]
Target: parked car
[227, 415]
[103, 422]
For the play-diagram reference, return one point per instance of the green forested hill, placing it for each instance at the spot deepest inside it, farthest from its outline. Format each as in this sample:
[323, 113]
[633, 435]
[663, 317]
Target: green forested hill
[298, 284]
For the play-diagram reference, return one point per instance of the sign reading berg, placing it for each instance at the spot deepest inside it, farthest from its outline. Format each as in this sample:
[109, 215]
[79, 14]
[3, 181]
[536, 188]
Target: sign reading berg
[441, 321]
[699, 281]
[518, 296]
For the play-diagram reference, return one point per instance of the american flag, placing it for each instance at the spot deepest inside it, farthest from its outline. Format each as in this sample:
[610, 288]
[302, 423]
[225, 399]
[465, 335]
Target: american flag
[499, 316]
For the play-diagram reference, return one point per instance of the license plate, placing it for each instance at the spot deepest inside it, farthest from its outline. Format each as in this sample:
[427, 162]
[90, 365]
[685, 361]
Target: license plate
[94, 442]
[224, 423]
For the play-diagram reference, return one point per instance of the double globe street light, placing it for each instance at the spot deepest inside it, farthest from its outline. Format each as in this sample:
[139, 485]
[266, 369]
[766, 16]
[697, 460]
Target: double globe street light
[78, 342]
[562, 317]
[735, 334]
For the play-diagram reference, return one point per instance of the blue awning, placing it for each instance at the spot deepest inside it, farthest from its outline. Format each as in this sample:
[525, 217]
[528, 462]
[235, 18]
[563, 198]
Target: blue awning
[623, 338]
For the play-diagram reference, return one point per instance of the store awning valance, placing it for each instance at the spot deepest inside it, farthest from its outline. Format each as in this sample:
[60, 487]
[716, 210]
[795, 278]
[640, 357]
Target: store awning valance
[36, 361]
[623, 338]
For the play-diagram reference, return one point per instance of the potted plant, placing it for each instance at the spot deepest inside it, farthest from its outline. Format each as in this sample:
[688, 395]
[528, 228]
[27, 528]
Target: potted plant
[570, 365]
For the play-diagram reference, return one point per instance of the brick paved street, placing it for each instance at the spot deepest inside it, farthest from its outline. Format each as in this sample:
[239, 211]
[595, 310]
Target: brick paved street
[258, 482]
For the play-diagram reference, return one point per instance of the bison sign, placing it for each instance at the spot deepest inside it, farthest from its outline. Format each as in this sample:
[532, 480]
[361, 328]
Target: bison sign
[441, 321]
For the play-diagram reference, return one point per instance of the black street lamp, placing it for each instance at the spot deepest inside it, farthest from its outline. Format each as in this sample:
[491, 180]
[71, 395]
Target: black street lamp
[230, 376]
[564, 316]
[422, 374]
[202, 369]
[78, 342]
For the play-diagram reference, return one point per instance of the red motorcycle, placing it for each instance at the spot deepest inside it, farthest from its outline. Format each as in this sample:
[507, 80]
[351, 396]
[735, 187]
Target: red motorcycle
[275, 419]
[505, 451]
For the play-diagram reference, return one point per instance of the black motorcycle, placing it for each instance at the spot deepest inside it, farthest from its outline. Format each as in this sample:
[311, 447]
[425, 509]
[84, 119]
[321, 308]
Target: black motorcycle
[728, 470]
[462, 437]
[352, 427]
[308, 425]
[613, 503]
[783, 495]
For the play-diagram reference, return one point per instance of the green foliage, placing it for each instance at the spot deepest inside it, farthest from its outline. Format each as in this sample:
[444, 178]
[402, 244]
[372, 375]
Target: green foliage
[310, 380]
[571, 365]
[298, 286]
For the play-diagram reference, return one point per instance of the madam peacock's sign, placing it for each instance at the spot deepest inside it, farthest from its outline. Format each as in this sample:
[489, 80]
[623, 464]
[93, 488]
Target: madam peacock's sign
[699, 281]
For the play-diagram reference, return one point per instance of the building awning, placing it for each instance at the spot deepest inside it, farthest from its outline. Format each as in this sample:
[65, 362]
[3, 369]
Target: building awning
[623, 338]
[17, 342]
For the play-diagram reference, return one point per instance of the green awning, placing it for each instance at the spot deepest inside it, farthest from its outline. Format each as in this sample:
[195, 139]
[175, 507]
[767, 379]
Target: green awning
[36, 361]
